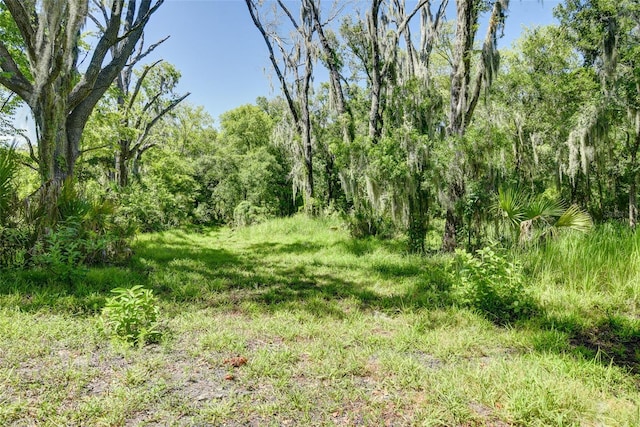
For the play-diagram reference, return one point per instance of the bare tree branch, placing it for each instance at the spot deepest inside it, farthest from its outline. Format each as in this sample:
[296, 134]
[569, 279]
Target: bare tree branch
[136, 90]
[82, 105]
[138, 57]
[23, 21]
[283, 83]
[101, 6]
[15, 81]
[286, 11]
[486, 70]
[96, 22]
[173, 104]
[108, 39]
[32, 153]
[132, 27]
[7, 101]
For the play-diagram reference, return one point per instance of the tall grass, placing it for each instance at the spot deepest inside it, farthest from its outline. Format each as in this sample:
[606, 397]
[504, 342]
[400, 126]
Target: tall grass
[605, 260]
[590, 278]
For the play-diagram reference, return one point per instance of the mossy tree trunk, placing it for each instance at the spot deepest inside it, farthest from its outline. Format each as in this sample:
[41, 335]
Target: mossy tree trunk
[464, 95]
[59, 95]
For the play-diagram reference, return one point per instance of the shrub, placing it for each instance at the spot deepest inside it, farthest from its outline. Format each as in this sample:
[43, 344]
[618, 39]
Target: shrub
[363, 222]
[247, 214]
[132, 315]
[493, 285]
[148, 207]
[77, 231]
[61, 252]
[14, 242]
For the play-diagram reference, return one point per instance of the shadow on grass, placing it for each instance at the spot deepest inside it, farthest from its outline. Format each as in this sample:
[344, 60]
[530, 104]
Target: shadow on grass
[362, 247]
[290, 248]
[608, 339]
[182, 271]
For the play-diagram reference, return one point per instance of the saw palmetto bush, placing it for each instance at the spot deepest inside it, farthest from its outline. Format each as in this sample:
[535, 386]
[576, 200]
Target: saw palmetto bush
[57, 228]
[76, 230]
[8, 194]
[13, 235]
[530, 218]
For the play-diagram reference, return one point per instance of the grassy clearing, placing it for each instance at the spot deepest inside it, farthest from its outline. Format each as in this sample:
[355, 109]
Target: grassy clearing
[334, 331]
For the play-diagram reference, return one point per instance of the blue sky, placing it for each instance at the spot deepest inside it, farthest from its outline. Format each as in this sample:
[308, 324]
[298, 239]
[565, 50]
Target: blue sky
[223, 59]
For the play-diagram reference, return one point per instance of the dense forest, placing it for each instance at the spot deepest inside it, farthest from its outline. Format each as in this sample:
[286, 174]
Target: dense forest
[400, 125]
[421, 124]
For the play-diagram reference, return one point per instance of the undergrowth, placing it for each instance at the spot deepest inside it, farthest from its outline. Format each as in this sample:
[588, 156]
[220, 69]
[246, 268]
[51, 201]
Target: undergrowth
[292, 321]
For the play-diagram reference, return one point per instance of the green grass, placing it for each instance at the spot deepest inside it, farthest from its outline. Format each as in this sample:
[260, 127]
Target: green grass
[335, 331]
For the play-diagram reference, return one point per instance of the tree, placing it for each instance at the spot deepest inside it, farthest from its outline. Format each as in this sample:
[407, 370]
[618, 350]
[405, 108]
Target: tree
[606, 33]
[9, 102]
[140, 110]
[465, 92]
[388, 172]
[125, 117]
[333, 62]
[60, 96]
[299, 61]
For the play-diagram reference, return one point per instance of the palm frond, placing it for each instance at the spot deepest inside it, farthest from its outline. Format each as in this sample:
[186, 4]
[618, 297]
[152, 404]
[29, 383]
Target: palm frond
[574, 218]
[511, 205]
[541, 208]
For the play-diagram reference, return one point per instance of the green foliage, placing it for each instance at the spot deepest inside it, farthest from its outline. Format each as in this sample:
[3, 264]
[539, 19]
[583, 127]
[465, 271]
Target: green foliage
[247, 214]
[8, 193]
[364, 222]
[132, 315]
[142, 205]
[11, 38]
[14, 245]
[62, 253]
[528, 216]
[60, 230]
[493, 285]
[163, 198]
[14, 234]
[511, 204]
[246, 128]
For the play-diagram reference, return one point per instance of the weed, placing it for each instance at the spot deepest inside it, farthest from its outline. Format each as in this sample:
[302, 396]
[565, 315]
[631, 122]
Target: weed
[132, 315]
[492, 284]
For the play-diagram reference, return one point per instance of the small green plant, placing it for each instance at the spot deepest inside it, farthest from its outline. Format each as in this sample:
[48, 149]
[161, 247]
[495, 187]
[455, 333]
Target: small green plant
[61, 253]
[132, 315]
[493, 285]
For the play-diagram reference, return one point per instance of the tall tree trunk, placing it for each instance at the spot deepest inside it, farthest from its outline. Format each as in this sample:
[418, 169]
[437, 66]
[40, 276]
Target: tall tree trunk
[122, 163]
[307, 144]
[633, 185]
[376, 71]
[332, 63]
[60, 97]
[56, 156]
[453, 219]
[464, 97]
[297, 93]
[460, 76]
